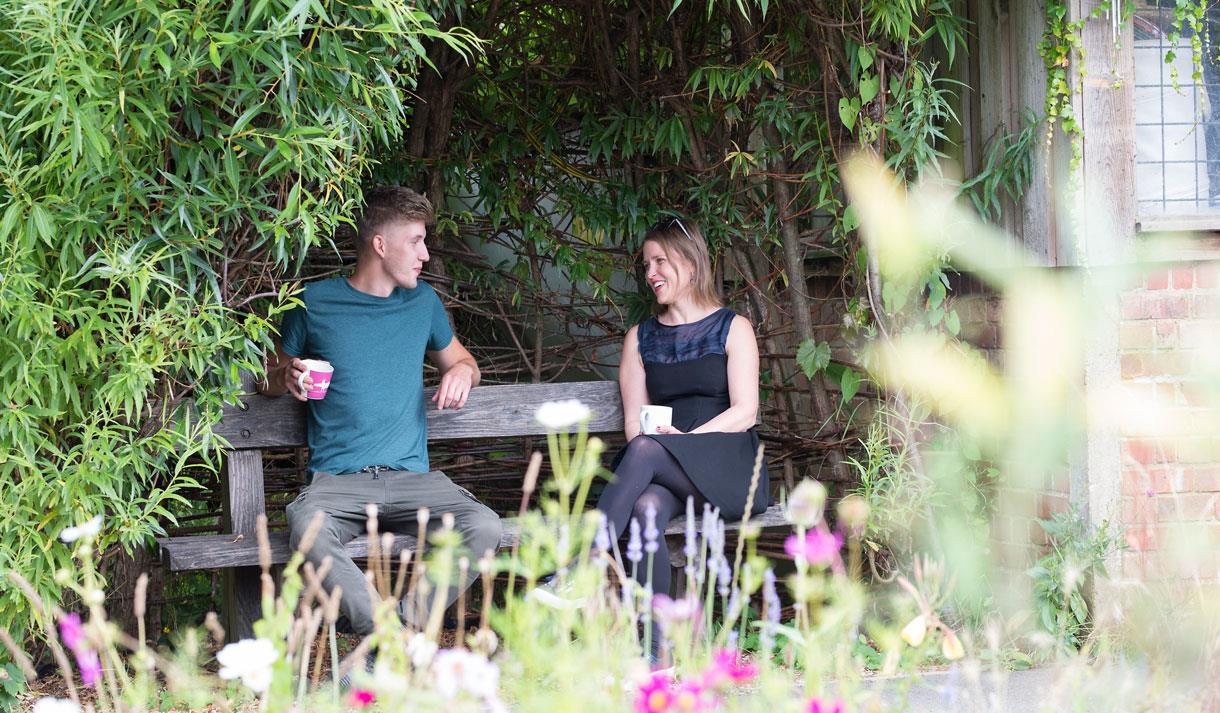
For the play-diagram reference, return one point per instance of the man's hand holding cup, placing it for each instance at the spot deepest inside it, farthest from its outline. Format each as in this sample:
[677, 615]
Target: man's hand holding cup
[308, 379]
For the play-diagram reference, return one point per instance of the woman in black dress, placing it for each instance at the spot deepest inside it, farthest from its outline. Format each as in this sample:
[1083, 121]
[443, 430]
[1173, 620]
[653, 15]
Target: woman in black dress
[701, 359]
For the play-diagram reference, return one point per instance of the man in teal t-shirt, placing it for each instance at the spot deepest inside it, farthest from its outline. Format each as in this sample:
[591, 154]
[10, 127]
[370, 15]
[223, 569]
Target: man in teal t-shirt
[368, 437]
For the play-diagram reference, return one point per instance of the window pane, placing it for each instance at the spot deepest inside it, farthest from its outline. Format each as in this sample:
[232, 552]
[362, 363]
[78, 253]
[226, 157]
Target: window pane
[1177, 128]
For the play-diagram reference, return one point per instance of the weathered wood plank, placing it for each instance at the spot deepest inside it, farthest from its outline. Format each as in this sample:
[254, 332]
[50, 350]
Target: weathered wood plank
[244, 502]
[181, 554]
[491, 411]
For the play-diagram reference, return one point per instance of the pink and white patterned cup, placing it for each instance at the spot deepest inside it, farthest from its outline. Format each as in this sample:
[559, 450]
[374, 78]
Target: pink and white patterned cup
[320, 371]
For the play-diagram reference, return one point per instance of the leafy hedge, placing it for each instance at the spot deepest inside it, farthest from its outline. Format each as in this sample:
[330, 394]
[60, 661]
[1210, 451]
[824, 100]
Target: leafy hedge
[162, 164]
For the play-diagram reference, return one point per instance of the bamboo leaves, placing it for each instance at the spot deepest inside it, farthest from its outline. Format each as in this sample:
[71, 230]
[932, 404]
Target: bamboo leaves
[162, 163]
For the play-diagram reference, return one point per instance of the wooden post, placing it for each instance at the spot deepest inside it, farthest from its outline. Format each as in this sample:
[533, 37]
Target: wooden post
[1106, 207]
[243, 475]
[244, 502]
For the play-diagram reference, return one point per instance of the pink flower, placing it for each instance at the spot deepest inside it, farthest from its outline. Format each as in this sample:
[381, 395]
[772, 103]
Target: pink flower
[670, 611]
[817, 705]
[360, 698]
[818, 548]
[73, 634]
[90, 666]
[71, 631]
[692, 697]
[727, 668]
[655, 696]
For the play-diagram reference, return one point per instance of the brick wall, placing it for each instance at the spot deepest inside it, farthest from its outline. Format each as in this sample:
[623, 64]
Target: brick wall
[1169, 351]
[1016, 536]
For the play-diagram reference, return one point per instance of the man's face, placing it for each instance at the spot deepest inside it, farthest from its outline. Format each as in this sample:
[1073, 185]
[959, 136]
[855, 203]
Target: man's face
[405, 252]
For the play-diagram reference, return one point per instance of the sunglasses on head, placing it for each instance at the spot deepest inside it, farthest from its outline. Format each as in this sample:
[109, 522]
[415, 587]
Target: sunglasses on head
[664, 224]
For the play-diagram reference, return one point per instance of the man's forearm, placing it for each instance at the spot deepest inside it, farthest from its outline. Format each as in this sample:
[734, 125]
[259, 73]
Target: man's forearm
[475, 375]
[273, 382]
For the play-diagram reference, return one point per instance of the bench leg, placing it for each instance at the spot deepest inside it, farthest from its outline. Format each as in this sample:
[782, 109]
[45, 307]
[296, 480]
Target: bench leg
[242, 606]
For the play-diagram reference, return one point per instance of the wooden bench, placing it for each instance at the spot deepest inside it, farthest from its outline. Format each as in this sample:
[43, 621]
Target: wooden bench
[275, 422]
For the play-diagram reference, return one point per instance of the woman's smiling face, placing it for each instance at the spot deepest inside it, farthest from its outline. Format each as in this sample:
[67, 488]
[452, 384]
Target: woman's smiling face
[669, 278]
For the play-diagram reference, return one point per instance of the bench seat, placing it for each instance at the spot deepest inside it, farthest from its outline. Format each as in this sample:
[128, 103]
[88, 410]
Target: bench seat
[260, 423]
[184, 554]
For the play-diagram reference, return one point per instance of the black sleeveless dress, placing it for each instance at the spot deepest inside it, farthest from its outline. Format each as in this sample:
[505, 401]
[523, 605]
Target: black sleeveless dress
[686, 368]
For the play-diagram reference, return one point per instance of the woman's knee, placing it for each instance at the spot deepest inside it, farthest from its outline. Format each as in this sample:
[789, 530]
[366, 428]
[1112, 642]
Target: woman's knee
[643, 504]
[643, 447]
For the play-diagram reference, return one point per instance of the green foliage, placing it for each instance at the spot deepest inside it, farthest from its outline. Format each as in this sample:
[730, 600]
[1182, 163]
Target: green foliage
[1061, 46]
[813, 357]
[12, 682]
[1187, 14]
[1076, 555]
[1007, 170]
[897, 494]
[161, 163]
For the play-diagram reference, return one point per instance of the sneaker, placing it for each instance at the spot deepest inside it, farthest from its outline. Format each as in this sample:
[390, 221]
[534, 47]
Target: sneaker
[345, 681]
[555, 594]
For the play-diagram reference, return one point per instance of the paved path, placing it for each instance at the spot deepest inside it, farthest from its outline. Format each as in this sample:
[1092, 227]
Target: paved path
[1072, 687]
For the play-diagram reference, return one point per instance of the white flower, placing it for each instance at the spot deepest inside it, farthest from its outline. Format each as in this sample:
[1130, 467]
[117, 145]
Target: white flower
[421, 650]
[388, 683]
[87, 530]
[805, 503]
[915, 630]
[561, 415]
[251, 661]
[458, 670]
[55, 705]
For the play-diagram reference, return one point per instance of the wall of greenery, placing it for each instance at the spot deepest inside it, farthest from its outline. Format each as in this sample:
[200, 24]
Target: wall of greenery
[585, 122]
[169, 169]
[164, 165]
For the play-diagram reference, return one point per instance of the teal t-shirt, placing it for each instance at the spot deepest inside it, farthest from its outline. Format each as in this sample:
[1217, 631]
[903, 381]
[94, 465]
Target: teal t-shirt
[373, 413]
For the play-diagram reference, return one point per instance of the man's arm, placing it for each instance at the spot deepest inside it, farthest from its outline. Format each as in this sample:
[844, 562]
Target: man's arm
[459, 374]
[283, 370]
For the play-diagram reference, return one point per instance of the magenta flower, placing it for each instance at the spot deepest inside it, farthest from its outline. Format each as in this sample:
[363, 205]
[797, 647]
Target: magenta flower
[73, 634]
[817, 705]
[71, 631]
[817, 548]
[693, 697]
[90, 666]
[728, 668]
[655, 696]
[360, 698]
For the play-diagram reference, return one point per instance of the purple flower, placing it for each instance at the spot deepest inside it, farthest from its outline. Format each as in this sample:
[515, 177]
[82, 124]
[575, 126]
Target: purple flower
[692, 538]
[771, 600]
[635, 548]
[71, 631]
[650, 529]
[818, 547]
[725, 578]
[602, 540]
[90, 666]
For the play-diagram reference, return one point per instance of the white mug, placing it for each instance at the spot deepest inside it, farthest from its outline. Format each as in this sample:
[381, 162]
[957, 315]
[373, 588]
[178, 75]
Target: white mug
[653, 416]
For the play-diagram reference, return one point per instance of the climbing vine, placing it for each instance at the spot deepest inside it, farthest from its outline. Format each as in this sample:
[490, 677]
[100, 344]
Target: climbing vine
[1061, 45]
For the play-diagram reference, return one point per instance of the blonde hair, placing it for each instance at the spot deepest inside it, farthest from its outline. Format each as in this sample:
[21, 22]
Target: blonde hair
[683, 238]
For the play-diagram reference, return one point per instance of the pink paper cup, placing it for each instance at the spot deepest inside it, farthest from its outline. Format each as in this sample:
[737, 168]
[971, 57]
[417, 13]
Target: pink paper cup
[320, 371]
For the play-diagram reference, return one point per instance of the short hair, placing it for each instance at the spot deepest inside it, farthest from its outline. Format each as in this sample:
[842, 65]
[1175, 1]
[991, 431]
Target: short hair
[683, 237]
[386, 205]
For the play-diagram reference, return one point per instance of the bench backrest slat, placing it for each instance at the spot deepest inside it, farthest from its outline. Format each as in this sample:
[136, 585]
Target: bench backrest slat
[490, 411]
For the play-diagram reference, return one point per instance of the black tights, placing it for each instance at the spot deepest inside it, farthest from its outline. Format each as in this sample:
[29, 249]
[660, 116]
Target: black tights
[648, 475]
